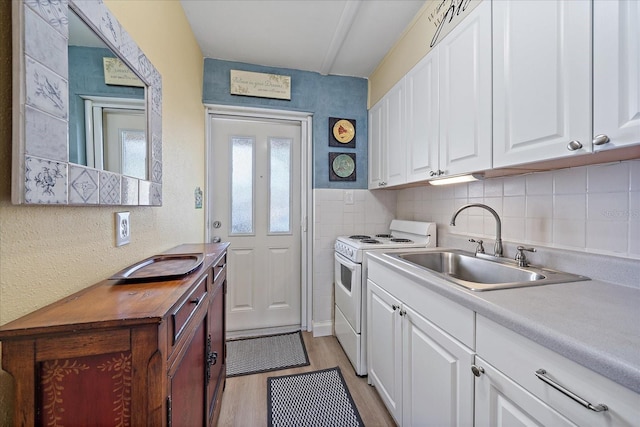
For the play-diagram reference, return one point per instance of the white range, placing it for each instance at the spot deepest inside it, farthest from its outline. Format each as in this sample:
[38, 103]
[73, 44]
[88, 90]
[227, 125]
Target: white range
[350, 280]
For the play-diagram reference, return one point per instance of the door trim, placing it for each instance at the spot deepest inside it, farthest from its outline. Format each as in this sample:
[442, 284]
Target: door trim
[306, 206]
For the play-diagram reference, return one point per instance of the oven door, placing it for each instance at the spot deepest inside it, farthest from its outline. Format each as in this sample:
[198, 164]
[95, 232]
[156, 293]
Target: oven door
[348, 289]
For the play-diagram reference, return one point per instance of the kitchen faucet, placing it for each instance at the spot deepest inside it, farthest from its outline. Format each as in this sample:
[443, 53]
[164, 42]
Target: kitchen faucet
[497, 251]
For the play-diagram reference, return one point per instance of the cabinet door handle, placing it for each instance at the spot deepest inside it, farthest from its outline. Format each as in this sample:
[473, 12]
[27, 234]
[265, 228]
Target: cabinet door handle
[600, 139]
[542, 375]
[477, 370]
[395, 307]
[574, 145]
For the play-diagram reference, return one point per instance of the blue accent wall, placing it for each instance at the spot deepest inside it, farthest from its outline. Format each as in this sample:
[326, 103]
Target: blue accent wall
[324, 96]
[86, 77]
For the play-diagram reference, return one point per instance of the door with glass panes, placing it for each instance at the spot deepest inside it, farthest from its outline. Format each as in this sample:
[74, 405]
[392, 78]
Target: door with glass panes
[256, 207]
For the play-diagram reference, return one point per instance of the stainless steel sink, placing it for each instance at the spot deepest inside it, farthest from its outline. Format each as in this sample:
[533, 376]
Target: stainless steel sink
[483, 274]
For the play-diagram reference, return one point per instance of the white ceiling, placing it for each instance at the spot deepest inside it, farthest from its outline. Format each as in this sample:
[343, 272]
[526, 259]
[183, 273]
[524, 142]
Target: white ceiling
[342, 37]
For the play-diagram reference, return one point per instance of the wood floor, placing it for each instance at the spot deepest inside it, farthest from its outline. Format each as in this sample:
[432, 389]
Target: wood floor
[244, 402]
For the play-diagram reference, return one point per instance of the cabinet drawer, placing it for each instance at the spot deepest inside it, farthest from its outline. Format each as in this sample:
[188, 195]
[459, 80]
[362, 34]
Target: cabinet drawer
[519, 358]
[219, 268]
[183, 313]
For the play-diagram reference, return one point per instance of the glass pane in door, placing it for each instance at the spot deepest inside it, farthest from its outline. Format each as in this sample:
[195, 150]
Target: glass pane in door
[279, 185]
[242, 179]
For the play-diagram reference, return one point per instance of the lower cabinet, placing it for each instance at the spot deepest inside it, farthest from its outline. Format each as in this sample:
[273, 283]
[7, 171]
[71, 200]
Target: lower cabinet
[422, 364]
[501, 402]
[147, 353]
[420, 371]
[521, 383]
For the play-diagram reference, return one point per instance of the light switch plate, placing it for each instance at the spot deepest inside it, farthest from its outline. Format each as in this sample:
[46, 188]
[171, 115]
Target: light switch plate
[348, 197]
[123, 228]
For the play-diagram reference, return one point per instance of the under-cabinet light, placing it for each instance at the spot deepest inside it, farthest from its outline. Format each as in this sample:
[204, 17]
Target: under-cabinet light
[456, 179]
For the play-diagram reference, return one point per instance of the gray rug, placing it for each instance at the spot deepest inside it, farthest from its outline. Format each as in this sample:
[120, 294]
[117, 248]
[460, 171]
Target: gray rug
[264, 354]
[318, 398]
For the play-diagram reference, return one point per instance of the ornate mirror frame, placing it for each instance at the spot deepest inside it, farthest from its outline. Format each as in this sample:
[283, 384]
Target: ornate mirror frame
[41, 172]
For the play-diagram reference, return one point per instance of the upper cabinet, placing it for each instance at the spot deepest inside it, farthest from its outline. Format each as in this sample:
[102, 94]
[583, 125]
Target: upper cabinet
[422, 127]
[541, 80]
[387, 154]
[515, 83]
[616, 73]
[465, 94]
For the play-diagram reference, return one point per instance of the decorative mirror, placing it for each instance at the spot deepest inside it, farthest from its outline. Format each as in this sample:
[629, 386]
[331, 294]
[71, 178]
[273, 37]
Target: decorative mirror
[87, 108]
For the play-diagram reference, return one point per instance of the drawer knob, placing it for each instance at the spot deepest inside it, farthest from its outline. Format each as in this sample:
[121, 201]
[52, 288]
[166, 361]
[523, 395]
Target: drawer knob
[542, 375]
[195, 301]
[477, 370]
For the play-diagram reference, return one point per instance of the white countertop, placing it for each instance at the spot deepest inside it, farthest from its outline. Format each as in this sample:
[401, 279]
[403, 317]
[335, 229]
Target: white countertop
[594, 323]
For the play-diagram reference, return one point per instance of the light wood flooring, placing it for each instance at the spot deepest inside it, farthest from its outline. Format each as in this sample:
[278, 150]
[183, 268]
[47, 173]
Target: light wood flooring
[244, 402]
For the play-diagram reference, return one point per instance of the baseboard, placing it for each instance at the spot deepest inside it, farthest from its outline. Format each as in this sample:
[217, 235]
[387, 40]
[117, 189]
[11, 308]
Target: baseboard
[323, 329]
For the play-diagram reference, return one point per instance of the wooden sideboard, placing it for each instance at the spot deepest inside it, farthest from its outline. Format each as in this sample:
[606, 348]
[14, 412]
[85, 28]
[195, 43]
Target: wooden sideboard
[124, 354]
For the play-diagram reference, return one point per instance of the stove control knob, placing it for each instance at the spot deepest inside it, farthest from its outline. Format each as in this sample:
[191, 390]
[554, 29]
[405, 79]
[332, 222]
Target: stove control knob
[350, 252]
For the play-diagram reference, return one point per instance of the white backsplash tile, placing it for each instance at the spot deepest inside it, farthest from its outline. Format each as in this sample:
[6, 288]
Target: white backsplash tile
[608, 177]
[539, 184]
[570, 181]
[569, 208]
[514, 186]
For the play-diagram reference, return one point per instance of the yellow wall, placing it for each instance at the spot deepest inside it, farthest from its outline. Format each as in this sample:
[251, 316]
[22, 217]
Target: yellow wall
[50, 252]
[413, 45]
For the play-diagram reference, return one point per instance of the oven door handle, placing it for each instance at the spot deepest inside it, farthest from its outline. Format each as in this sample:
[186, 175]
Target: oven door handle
[345, 261]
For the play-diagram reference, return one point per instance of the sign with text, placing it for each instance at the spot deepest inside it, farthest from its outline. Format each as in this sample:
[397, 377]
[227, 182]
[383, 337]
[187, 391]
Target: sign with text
[261, 85]
[118, 73]
[445, 15]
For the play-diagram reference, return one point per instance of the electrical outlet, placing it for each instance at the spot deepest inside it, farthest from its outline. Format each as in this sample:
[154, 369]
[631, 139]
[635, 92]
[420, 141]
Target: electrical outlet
[123, 228]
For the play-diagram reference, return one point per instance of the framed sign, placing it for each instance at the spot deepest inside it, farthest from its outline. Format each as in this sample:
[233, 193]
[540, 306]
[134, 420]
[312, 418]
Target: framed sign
[261, 85]
[342, 166]
[342, 132]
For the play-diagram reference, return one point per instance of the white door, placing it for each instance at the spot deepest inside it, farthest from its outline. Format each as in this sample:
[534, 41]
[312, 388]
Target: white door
[465, 94]
[395, 138]
[437, 384]
[422, 118]
[384, 351]
[616, 72]
[125, 144]
[541, 80]
[377, 141]
[256, 207]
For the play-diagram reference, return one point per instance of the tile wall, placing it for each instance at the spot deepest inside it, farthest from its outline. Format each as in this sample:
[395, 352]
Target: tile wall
[594, 209]
[591, 209]
[333, 217]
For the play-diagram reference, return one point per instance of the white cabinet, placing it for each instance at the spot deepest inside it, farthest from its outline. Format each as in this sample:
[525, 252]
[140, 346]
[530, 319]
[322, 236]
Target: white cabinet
[541, 80]
[511, 387]
[465, 94]
[387, 153]
[616, 73]
[377, 128]
[385, 355]
[422, 127]
[500, 402]
[437, 389]
[419, 369]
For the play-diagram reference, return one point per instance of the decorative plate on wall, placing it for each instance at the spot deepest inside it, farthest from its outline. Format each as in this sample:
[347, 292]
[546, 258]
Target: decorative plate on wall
[342, 132]
[342, 166]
